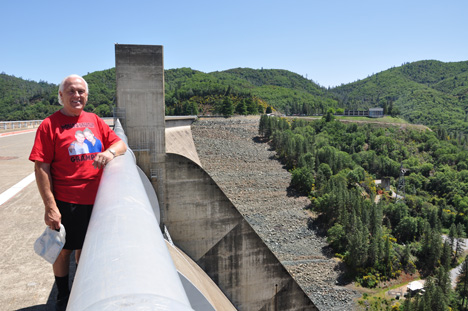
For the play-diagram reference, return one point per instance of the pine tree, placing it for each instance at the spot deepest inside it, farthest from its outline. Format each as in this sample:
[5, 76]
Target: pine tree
[241, 108]
[262, 125]
[435, 250]
[387, 257]
[252, 107]
[462, 284]
[446, 258]
[227, 108]
[357, 244]
[405, 259]
[443, 282]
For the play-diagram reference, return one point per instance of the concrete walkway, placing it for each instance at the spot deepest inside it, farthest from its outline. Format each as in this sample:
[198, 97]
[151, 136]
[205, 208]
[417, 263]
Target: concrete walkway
[26, 280]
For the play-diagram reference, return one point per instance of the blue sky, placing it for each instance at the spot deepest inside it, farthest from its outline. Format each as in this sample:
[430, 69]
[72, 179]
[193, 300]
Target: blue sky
[329, 41]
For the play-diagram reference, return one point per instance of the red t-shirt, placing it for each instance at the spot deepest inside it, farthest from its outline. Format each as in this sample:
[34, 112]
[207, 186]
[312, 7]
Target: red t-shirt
[61, 141]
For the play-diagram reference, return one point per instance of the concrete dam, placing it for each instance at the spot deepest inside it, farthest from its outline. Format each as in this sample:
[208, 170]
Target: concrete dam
[211, 244]
[201, 220]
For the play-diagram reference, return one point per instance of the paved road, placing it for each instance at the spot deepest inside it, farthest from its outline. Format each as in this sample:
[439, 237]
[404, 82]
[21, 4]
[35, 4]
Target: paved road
[26, 280]
[455, 272]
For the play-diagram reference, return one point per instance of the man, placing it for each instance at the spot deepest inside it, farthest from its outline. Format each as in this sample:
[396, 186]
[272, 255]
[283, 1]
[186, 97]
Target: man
[67, 182]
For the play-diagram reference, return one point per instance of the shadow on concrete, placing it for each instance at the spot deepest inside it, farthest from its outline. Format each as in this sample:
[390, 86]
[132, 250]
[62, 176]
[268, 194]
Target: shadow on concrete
[50, 306]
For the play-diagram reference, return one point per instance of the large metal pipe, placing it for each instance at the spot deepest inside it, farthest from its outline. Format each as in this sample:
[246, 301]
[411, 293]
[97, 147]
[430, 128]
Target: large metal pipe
[125, 264]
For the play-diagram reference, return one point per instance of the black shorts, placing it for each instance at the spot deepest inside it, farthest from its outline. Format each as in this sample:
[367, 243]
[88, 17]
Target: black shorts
[75, 219]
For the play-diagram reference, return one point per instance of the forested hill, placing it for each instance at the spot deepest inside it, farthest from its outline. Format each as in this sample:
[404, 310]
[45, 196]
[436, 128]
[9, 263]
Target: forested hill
[281, 89]
[428, 92]
[425, 92]
[188, 91]
[18, 95]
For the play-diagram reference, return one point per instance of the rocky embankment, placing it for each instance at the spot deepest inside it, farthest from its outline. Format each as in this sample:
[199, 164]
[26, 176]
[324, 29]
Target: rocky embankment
[246, 170]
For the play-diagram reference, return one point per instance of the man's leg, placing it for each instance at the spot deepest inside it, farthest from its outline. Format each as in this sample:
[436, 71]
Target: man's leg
[62, 264]
[61, 270]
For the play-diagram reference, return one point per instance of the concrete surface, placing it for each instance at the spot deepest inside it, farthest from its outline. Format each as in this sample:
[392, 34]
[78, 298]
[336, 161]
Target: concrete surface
[205, 224]
[179, 140]
[186, 266]
[26, 280]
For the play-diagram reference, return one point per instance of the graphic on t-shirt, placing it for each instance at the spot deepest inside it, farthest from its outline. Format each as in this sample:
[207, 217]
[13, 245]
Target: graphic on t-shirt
[85, 142]
[94, 144]
[78, 146]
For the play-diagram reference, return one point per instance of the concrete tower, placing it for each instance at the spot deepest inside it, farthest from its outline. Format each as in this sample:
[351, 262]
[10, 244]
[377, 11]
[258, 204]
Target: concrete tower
[141, 108]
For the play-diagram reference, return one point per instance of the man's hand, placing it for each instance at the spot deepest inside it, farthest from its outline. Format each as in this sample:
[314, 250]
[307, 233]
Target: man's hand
[102, 159]
[105, 157]
[53, 218]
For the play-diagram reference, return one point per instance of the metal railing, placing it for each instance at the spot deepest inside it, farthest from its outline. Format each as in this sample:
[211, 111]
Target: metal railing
[13, 125]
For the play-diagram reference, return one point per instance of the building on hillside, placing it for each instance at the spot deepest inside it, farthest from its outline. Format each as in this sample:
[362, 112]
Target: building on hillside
[355, 113]
[376, 113]
[415, 287]
[371, 113]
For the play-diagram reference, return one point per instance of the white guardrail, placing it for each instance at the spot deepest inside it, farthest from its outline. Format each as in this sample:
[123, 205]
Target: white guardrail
[13, 125]
[125, 264]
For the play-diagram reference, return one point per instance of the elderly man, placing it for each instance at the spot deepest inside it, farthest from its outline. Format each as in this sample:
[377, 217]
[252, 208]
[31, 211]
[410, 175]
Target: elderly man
[68, 181]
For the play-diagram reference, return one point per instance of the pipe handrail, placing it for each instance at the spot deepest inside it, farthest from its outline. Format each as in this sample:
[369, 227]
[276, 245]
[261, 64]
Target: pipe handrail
[125, 264]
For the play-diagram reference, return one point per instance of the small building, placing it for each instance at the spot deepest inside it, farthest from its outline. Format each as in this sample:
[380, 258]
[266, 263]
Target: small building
[376, 113]
[386, 183]
[357, 113]
[415, 287]
[371, 113]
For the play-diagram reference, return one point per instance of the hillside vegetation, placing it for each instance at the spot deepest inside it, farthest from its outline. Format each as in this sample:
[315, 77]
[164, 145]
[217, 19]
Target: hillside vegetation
[429, 92]
[381, 233]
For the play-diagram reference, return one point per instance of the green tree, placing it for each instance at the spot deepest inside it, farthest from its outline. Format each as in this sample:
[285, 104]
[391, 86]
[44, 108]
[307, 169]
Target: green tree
[407, 229]
[302, 180]
[446, 257]
[227, 107]
[387, 257]
[252, 107]
[462, 284]
[307, 160]
[103, 111]
[330, 116]
[241, 108]
[336, 236]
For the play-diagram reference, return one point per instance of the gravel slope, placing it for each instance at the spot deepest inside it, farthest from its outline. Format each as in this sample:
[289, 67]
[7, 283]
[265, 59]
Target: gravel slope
[245, 169]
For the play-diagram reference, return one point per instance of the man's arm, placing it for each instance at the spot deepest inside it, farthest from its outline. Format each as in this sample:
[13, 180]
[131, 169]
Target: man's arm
[105, 157]
[119, 147]
[52, 216]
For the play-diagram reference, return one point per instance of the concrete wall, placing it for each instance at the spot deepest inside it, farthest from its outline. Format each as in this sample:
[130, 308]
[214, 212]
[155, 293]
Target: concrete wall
[141, 108]
[207, 226]
[200, 218]
[179, 141]
[176, 121]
